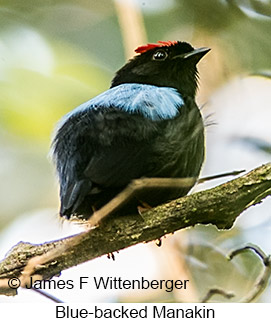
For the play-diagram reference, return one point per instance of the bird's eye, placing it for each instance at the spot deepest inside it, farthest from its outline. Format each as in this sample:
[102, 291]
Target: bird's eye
[160, 55]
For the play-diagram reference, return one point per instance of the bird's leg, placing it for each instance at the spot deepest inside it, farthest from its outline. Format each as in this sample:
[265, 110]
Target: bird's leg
[134, 187]
[143, 207]
[138, 185]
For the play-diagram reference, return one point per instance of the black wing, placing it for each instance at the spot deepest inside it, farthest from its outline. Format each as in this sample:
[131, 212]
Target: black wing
[99, 150]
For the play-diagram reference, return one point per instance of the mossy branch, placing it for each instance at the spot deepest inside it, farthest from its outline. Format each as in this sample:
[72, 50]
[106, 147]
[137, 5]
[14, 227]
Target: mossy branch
[219, 206]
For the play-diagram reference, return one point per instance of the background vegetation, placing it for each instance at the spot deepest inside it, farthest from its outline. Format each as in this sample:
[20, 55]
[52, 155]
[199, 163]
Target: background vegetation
[56, 55]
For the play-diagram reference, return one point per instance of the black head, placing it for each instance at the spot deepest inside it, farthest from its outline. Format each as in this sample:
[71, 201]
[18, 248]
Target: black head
[171, 64]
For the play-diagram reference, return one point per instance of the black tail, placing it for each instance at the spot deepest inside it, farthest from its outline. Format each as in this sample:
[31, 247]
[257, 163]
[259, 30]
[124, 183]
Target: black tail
[73, 197]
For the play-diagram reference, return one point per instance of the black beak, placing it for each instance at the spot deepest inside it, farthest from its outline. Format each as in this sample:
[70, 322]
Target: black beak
[196, 54]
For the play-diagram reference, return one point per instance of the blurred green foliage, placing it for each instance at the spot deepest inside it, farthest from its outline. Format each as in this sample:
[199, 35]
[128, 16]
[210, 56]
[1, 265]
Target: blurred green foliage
[55, 55]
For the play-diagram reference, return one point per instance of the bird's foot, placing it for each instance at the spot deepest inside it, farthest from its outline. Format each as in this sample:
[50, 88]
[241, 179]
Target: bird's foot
[144, 207]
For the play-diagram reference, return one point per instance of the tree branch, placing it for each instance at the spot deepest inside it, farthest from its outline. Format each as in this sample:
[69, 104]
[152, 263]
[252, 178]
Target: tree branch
[219, 206]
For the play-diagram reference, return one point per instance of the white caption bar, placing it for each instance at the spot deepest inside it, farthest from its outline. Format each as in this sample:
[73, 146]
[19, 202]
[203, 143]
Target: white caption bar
[143, 312]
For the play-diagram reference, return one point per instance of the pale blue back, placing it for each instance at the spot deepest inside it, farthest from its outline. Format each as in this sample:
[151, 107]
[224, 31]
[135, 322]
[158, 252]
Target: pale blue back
[153, 102]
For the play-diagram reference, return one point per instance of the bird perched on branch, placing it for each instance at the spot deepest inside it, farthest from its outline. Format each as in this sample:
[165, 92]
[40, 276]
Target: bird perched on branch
[146, 125]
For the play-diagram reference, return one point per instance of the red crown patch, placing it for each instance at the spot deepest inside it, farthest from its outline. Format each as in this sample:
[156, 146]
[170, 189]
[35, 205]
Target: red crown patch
[145, 48]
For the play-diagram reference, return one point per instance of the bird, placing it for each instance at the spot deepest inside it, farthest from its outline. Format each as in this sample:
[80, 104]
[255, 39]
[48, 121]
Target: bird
[146, 125]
